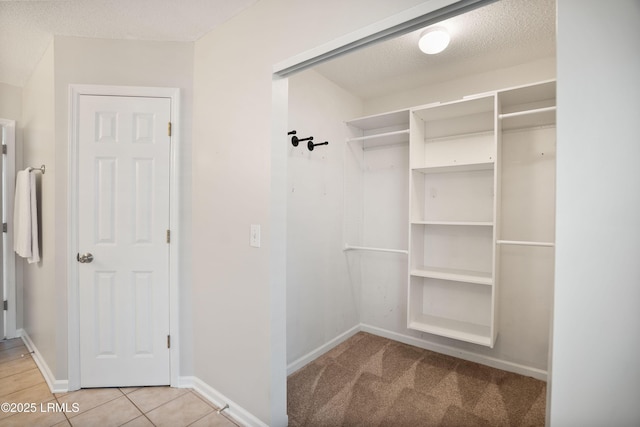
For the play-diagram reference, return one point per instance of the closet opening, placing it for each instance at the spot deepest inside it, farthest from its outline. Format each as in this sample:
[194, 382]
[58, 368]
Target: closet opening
[428, 219]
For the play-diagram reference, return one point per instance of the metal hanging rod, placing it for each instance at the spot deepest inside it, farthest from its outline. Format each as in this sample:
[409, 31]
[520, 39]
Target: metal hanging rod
[526, 112]
[295, 140]
[525, 243]
[311, 145]
[41, 169]
[348, 247]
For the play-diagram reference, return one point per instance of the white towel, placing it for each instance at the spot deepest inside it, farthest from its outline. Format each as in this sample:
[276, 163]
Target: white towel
[25, 217]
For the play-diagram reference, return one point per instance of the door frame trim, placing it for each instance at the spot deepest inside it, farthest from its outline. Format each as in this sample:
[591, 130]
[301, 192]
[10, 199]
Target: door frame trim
[73, 301]
[12, 298]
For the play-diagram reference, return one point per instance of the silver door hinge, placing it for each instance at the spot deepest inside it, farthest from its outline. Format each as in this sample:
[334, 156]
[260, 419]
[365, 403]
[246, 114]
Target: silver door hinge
[168, 341]
[169, 129]
[4, 227]
[5, 305]
[168, 236]
[4, 148]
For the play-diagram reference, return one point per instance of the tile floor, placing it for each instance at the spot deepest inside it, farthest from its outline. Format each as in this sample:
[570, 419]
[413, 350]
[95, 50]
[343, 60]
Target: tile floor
[22, 383]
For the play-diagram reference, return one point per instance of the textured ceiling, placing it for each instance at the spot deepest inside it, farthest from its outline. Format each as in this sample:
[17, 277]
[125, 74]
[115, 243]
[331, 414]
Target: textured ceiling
[27, 26]
[504, 33]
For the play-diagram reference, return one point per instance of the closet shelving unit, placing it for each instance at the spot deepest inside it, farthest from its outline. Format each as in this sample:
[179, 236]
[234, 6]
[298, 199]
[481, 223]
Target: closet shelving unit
[452, 220]
[381, 131]
[481, 187]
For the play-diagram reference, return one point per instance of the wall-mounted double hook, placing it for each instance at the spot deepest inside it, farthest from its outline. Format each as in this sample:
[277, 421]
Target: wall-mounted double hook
[295, 140]
[311, 145]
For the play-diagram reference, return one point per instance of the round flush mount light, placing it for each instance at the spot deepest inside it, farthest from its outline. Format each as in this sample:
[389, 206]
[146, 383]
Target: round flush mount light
[434, 40]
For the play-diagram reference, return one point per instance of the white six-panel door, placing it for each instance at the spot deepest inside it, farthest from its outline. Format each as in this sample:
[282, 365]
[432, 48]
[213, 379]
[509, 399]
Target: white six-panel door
[123, 218]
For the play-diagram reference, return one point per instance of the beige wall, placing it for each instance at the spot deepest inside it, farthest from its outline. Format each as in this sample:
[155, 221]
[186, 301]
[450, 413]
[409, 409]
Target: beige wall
[231, 172]
[231, 189]
[595, 374]
[124, 63]
[10, 102]
[40, 319]
[73, 60]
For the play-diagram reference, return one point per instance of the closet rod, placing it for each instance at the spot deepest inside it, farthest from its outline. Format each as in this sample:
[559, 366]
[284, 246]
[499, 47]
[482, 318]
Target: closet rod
[41, 169]
[526, 112]
[524, 243]
[367, 248]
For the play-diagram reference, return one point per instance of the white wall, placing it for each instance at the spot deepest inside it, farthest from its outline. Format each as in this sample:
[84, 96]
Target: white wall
[541, 69]
[595, 378]
[385, 216]
[91, 61]
[231, 161]
[322, 293]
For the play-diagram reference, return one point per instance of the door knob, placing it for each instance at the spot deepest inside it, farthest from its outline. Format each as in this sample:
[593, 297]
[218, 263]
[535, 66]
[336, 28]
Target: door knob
[85, 258]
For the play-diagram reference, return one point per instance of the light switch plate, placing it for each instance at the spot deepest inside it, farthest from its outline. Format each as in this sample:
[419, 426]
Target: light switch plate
[254, 240]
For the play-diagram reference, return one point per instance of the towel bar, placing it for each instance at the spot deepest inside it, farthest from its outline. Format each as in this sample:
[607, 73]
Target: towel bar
[41, 169]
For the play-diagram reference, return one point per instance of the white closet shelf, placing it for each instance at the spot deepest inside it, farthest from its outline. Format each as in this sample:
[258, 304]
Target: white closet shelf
[466, 276]
[387, 138]
[455, 223]
[348, 247]
[465, 331]
[463, 167]
[525, 243]
[455, 109]
[542, 92]
[377, 121]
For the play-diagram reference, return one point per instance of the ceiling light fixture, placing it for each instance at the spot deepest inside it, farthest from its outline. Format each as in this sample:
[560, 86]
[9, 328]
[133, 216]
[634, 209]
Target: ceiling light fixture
[434, 40]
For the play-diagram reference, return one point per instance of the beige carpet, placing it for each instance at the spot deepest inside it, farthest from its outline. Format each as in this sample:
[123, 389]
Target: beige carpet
[372, 381]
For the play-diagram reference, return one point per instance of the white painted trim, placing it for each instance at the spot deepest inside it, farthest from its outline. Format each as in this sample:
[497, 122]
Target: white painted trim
[422, 15]
[234, 411]
[460, 354]
[278, 254]
[75, 91]
[184, 382]
[10, 256]
[56, 386]
[174, 225]
[314, 354]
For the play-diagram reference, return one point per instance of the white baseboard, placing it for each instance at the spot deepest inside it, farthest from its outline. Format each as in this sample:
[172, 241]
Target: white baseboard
[427, 345]
[234, 411]
[56, 386]
[313, 355]
[461, 354]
